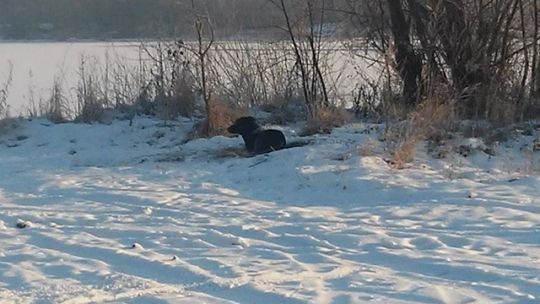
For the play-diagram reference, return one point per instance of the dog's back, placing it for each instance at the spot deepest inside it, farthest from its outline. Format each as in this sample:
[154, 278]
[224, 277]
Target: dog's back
[268, 141]
[256, 139]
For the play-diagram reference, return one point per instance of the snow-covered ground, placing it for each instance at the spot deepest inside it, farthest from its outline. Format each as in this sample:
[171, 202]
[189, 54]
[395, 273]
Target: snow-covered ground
[120, 214]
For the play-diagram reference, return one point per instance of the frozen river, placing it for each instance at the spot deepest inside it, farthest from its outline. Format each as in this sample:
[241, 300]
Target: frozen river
[37, 64]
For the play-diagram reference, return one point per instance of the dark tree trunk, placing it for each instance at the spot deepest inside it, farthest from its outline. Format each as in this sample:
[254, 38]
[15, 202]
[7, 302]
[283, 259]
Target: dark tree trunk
[456, 41]
[466, 67]
[409, 64]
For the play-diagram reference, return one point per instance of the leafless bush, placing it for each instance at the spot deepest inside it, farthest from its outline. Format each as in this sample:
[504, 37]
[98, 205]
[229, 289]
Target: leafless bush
[171, 90]
[485, 53]
[259, 74]
[56, 109]
[182, 100]
[92, 96]
[160, 84]
[254, 73]
[304, 24]
[35, 103]
[265, 74]
[125, 85]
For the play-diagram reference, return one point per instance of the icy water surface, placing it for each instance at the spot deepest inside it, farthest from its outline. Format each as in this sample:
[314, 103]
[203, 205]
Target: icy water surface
[36, 64]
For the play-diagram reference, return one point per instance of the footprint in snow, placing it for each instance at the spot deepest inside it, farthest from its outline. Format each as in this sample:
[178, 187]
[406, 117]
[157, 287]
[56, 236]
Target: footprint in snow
[241, 242]
[426, 243]
[23, 224]
[137, 246]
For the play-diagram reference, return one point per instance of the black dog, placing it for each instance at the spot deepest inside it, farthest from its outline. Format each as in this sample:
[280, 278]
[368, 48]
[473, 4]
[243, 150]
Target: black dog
[257, 139]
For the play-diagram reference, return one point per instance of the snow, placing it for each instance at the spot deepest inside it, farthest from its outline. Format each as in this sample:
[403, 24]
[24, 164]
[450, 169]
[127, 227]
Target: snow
[130, 214]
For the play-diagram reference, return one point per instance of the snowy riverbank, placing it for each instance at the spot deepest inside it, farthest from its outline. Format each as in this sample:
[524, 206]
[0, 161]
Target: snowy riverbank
[120, 214]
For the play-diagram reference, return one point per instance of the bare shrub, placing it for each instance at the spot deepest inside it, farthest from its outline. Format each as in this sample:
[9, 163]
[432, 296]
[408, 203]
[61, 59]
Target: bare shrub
[304, 21]
[170, 92]
[182, 102]
[162, 85]
[485, 53]
[35, 104]
[4, 92]
[238, 72]
[285, 111]
[254, 73]
[200, 50]
[91, 95]
[365, 99]
[129, 86]
[179, 99]
[56, 109]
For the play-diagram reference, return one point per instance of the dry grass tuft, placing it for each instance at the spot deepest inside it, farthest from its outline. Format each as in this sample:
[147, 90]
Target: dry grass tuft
[404, 154]
[90, 111]
[56, 106]
[431, 118]
[326, 120]
[369, 148]
[232, 152]
[8, 124]
[4, 92]
[181, 101]
[429, 121]
[285, 111]
[220, 116]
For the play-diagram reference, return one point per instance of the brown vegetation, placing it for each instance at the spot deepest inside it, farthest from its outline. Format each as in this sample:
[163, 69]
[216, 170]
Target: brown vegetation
[439, 61]
[484, 53]
[327, 119]
[220, 116]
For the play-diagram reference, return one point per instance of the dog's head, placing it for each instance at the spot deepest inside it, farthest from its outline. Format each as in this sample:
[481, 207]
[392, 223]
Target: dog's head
[243, 125]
